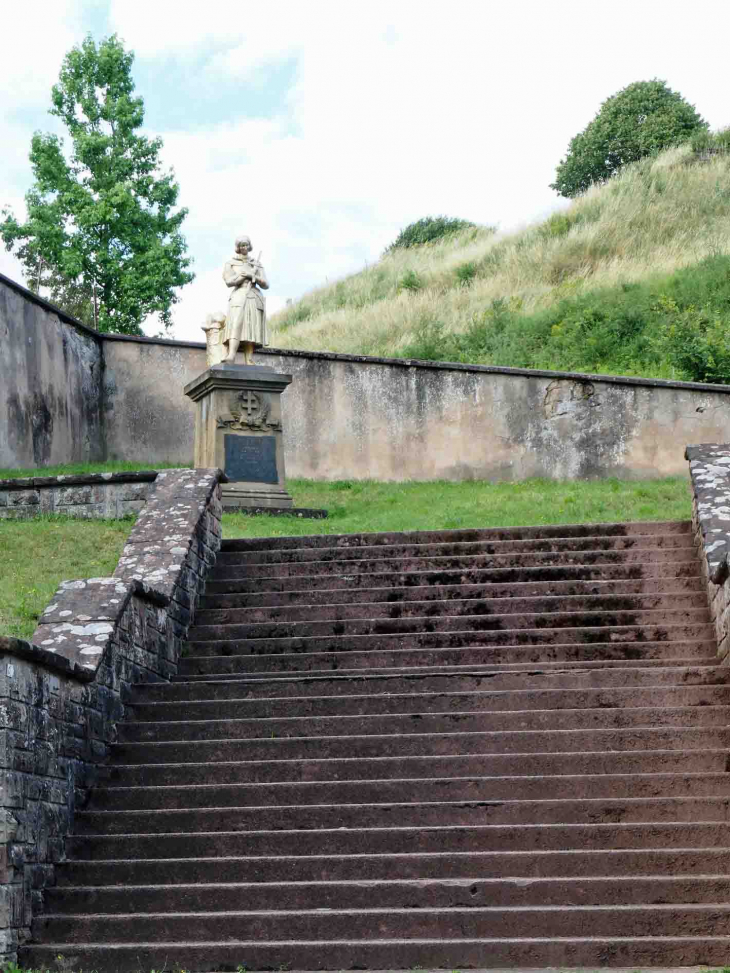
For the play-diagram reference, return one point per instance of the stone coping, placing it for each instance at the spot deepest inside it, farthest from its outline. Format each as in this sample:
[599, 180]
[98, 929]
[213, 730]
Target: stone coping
[22, 649]
[79, 479]
[80, 623]
[101, 336]
[709, 466]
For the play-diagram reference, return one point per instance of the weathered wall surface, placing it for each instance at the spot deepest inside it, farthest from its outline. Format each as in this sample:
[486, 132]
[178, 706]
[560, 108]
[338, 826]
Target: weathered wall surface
[145, 411]
[354, 418]
[347, 417]
[50, 382]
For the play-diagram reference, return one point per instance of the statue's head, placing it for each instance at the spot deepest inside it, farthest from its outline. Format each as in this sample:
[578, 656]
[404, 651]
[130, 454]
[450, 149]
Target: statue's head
[243, 244]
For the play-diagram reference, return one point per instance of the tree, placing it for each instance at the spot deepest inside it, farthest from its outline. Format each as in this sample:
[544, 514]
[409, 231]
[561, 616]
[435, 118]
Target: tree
[639, 120]
[101, 233]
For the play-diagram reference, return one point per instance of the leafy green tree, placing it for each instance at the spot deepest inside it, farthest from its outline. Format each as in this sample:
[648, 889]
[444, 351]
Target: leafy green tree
[639, 120]
[102, 234]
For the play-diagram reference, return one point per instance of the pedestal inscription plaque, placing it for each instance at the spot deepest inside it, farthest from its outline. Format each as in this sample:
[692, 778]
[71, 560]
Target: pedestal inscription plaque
[251, 458]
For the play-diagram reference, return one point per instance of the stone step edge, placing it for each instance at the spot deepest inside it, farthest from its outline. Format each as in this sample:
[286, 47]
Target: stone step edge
[698, 596]
[683, 525]
[589, 665]
[390, 805]
[423, 780]
[442, 713]
[304, 677]
[640, 542]
[414, 619]
[722, 907]
[369, 637]
[448, 734]
[676, 877]
[534, 559]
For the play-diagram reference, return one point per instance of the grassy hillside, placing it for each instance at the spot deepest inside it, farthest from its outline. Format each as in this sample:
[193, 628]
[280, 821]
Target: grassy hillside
[632, 278]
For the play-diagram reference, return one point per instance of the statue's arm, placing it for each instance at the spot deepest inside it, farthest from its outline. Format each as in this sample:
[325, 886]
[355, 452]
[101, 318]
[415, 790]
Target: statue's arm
[261, 278]
[234, 277]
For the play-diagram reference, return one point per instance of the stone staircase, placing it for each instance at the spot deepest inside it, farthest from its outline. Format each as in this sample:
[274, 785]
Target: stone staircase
[476, 748]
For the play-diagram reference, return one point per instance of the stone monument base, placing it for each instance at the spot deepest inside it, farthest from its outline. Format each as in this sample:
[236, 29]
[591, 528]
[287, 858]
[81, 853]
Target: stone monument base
[238, 429]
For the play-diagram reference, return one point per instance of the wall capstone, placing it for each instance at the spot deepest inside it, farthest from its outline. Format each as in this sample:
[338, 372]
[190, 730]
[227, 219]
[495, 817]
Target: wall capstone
[709, 465]
[62, 695]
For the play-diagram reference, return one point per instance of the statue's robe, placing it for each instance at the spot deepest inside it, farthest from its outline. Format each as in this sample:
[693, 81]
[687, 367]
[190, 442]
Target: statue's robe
[246, 318]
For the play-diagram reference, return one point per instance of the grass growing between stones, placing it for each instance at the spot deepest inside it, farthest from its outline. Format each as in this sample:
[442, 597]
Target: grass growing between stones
[75, 469]
[363, 505]
[36, 555]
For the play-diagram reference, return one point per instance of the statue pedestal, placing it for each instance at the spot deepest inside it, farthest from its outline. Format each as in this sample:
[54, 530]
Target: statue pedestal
[238, 429]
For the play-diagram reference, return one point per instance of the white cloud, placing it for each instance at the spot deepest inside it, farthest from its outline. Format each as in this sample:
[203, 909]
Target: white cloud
[397, 109]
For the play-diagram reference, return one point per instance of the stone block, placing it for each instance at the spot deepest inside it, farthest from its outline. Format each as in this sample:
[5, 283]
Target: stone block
[23, 498]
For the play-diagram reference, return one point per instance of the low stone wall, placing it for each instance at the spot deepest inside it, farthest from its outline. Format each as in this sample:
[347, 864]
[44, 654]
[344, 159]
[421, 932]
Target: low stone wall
[62, 694]
[709, 466]
[110, 495]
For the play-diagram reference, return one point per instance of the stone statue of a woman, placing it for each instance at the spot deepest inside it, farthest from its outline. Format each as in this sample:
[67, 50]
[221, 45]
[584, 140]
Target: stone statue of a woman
[246, 319]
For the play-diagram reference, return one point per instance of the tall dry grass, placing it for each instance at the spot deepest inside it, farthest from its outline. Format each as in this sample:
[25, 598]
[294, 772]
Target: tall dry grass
[654, 217]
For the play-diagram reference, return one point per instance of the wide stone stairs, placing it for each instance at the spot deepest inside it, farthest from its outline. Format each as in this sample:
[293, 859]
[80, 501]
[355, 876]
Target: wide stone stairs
[475, 748]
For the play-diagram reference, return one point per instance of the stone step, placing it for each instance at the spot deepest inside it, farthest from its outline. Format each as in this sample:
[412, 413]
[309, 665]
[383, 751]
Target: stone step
[302, 727]
[377, 539]
[226, 700]
[374, 567]
[479, 621]
[675, 781]
[704, 919]
[457, 633]
[455, 548]
[657, 587]
[604, 655]
[361, 817]
[574, 863]
[239, 780]
[396, 578]
[401, 841]
[415, 683]
[392, 954]
[404, 893]
[465, 606]
[194, 750]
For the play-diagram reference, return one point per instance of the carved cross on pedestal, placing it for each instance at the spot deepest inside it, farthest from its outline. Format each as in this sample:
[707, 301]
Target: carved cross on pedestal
[249, 402]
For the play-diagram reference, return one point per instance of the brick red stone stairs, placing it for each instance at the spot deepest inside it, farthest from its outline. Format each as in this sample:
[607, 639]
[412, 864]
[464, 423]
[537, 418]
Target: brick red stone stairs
[477, 748]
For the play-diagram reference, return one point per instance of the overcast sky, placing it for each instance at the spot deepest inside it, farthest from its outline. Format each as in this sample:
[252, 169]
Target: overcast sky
[322, 128]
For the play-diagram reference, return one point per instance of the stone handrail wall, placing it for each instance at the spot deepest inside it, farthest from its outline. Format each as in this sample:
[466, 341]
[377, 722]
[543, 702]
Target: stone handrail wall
[709, 466]
[62, 694]
[109, 495]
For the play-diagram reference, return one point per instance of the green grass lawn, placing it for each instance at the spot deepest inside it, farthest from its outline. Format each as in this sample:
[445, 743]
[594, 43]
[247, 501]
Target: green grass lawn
[36, 555]
[74, 469]
[369, 506]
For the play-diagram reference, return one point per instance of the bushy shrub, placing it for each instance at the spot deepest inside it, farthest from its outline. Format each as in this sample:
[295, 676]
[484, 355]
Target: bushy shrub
[465, 273]
[427, 230]
[706, 144]
[410, 281]
[638, 121]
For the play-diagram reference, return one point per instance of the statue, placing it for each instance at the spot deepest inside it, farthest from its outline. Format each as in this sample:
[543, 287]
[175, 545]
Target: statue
[214, 327]
[246, 320]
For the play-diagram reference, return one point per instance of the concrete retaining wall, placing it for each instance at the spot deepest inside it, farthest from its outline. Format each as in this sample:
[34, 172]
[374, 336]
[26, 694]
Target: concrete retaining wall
[50, 385]
[350, 417]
